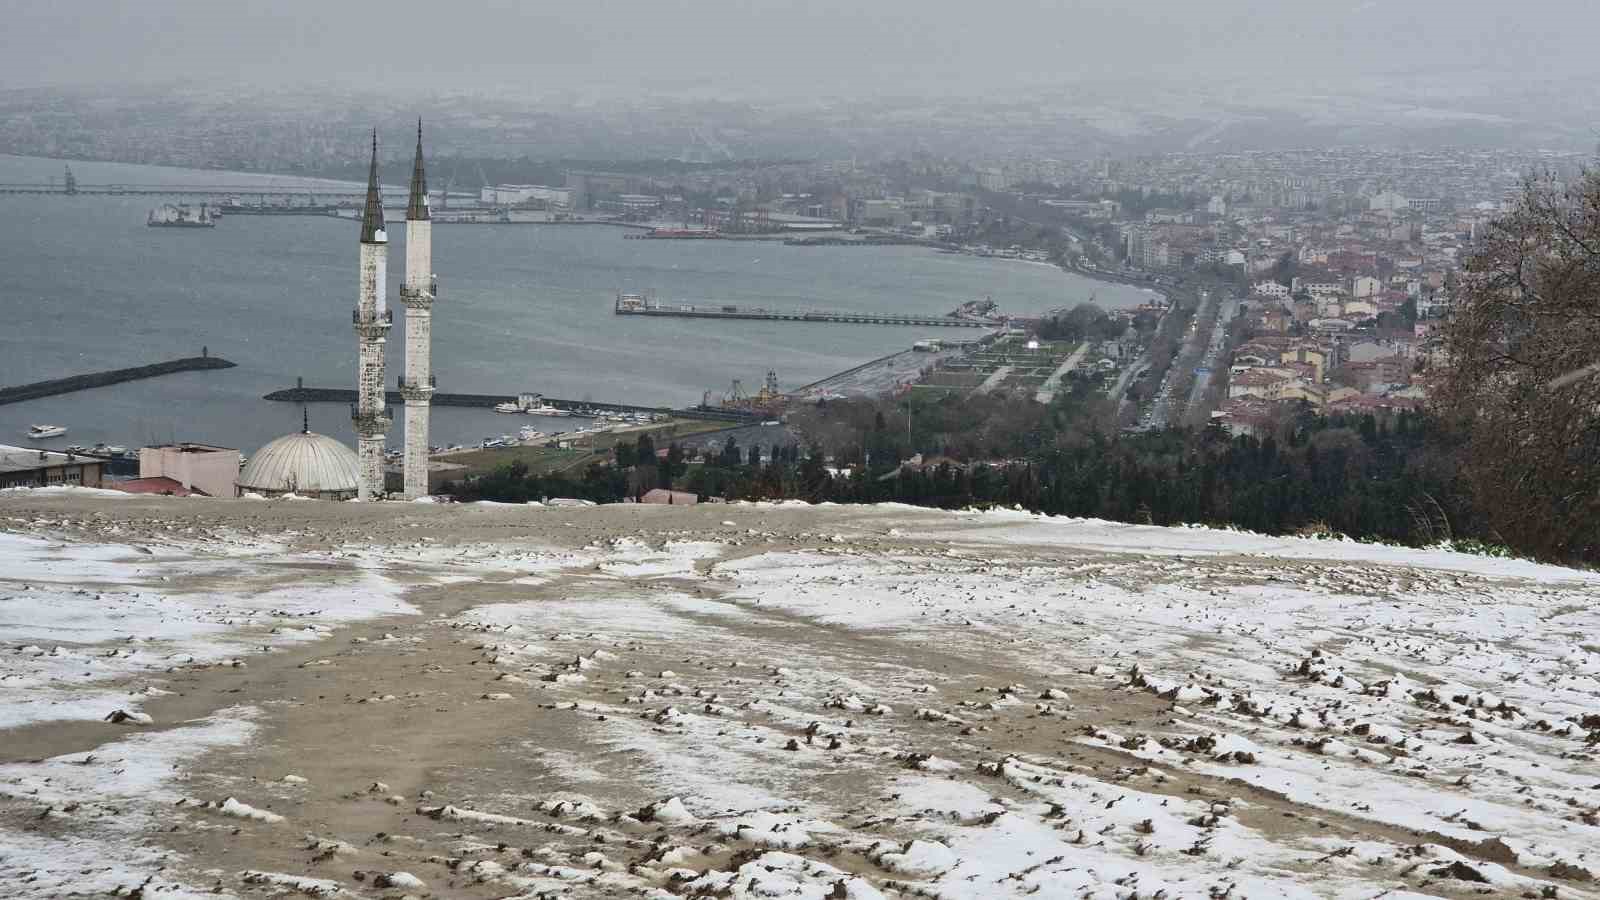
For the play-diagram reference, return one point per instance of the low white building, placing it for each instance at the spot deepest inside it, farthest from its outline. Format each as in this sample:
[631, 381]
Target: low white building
[1318, 288]
[515, 194]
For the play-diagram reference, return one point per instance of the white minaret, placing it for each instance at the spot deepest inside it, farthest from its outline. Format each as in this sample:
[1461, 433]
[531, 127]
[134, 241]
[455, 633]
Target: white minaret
[417, 293]
[372, 320]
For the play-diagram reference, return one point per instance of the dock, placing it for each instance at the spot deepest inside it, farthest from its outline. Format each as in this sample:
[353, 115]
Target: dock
[74, 383]
[489, 401]
[630, 307]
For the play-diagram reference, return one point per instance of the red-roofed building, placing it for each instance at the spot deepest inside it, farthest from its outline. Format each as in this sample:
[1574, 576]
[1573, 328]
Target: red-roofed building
[154, 485]
[1246, 415]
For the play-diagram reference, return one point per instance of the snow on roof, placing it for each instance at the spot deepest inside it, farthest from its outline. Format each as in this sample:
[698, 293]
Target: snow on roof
[26, 459]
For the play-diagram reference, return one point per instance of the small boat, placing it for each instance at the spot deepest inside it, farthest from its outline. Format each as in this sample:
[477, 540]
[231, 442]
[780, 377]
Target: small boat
[545, 409]
[40, 432]
[76, 448]
[114, 450]
[511, 408]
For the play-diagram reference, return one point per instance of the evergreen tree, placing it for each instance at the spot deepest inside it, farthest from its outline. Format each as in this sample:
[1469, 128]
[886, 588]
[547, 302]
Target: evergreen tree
[731, 456]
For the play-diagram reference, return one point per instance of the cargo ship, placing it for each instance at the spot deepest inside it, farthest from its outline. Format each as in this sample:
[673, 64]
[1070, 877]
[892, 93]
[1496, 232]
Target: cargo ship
[180, 216]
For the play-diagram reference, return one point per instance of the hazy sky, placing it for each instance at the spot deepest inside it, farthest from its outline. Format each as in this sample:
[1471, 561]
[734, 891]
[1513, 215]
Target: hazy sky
[870, 46]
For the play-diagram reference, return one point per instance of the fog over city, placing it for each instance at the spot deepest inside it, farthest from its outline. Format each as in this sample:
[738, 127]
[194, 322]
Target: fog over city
[821, 449]
[735, 48]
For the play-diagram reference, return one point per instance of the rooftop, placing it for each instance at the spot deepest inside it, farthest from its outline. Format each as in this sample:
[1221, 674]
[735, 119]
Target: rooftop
[154, 485]
[188, 447]
[26, 459]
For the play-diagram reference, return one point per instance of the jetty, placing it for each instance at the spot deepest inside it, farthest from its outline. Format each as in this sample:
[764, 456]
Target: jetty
[74, 383]
[632, 305]
[302, 394]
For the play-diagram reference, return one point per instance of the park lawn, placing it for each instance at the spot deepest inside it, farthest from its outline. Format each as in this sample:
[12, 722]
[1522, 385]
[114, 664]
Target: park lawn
[539, 460]
[551, 460]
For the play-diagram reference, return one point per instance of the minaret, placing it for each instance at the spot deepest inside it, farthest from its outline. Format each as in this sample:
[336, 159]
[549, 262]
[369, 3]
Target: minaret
[372, 320]
[417, 293]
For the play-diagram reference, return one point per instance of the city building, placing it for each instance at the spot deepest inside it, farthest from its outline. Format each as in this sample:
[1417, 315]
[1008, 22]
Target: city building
[557, 198]
[196, 468]
[27, 467]
[993, 180]
[630, 203]
[159, 485]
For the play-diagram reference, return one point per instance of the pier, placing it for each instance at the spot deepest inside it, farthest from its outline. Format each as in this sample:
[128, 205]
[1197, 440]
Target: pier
[627, 306]
[308, 199]
[489, 401]
[327, 193]
[103, 379]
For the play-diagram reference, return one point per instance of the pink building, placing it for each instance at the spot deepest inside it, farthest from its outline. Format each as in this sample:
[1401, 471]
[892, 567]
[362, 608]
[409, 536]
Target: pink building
[197, 467]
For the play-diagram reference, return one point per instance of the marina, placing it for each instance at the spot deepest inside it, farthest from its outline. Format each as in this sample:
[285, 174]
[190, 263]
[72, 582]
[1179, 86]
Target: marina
[494, 401]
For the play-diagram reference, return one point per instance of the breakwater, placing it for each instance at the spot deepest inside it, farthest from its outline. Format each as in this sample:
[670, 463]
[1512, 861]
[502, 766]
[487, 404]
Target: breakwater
[73, 383]
[489, 401]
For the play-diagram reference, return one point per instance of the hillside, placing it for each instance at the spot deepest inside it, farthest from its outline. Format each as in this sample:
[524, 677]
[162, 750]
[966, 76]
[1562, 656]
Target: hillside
[777, 701]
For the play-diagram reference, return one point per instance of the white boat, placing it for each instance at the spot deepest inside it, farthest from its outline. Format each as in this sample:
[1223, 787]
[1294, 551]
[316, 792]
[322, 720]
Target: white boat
[545, 409]
[511, 408]
[40, 432]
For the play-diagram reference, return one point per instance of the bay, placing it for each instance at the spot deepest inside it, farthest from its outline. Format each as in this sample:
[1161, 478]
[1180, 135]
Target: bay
[88, 286]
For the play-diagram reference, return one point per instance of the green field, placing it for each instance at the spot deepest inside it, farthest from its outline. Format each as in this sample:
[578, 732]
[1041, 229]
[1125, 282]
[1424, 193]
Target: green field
[550, 460]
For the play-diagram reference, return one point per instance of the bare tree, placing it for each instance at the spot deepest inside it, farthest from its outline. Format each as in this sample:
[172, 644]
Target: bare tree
[1523, 340]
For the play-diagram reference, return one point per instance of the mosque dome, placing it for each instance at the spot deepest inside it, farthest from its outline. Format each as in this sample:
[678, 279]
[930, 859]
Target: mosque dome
[307, 464]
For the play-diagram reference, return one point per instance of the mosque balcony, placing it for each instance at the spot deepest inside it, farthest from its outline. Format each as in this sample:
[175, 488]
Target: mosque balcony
[412, 389]
[370, 423]
[376, 329]
[418, 299]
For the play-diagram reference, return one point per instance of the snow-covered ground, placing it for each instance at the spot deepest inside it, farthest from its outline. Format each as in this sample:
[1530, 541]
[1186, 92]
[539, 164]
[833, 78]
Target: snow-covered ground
[86, 625]
[779, 701]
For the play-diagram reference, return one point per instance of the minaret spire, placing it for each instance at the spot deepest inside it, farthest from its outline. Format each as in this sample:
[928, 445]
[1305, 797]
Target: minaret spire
[371, 319]
[417, 208]
[372, 226]
[418, 294]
